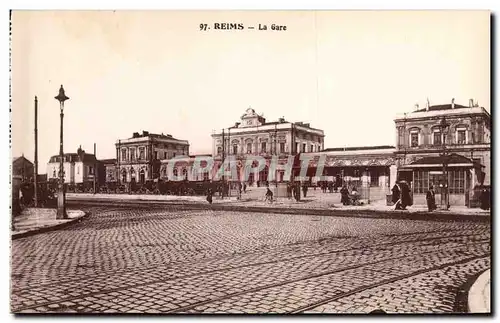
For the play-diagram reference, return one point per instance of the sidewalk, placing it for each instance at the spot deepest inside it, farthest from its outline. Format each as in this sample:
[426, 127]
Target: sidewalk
[316, 202]
[37, 220]
[479, 294]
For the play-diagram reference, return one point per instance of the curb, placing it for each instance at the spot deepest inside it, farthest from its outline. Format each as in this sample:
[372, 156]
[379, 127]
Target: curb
[476, 303]
[48, 228]
[418, 215]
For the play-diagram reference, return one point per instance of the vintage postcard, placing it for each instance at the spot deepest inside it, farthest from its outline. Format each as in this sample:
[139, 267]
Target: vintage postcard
[250, 162]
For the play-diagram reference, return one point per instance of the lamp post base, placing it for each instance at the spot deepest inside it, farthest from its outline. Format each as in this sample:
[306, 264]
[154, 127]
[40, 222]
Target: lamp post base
[61, 206]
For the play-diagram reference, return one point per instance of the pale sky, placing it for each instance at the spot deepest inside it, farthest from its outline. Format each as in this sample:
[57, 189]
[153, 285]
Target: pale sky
[346, 72]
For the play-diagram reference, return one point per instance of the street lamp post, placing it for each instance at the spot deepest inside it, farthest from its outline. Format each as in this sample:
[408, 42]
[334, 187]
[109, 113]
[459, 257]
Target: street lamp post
[61, 203]
[444, 193]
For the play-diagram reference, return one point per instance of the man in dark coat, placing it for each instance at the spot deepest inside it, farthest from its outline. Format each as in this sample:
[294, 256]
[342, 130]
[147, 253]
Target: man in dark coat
[431, 199]
[485, 199]
[344, 193]
[209, 196]
[405, 196]
[304, 189]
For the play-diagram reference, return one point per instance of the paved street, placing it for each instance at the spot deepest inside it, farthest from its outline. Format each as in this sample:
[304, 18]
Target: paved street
[156, 259]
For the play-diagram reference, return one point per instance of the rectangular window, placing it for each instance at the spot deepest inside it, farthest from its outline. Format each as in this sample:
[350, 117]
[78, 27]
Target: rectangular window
[304, 146]
[296, 147]
[456, 182]
[264, 147]
[164, 155]
[91, 170]
[421, 182]
[206, 176]
[282, 147]
[132, 154]
[249, 148]
[124, 154]
[437, 138]
[156, 154]
[414, 139]
[461, 137]
[235, 149]
[142, 154]
[312, 148]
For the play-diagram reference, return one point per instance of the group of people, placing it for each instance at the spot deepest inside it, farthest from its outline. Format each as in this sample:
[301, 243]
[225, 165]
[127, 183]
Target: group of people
[330, 186]
[401, 195]
[349, 199]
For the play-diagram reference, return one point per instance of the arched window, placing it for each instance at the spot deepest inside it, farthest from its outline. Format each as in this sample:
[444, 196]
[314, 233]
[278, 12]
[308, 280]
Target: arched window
[219, 150]
[185, 173]
[249, 148]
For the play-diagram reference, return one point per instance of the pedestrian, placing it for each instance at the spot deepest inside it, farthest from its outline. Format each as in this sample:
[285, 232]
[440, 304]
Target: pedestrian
[396, 193]
[485, 199]
[431, 199]
[288, 190]
[344, 195]
[244, 187]
[405, 196]
[209, 196]
[269, 195]
[304, 189]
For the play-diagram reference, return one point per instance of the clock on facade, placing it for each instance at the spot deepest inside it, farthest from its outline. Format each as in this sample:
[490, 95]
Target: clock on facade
[249, 122]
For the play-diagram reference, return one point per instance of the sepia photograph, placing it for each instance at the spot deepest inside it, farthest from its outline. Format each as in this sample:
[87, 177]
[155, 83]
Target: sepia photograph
[307, 162]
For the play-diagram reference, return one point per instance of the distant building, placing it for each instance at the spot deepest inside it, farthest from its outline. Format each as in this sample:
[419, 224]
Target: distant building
[466, 141]
[371, 170]
[79, 167]
[110, 170]
[254, 136]
[139, 158]
[22, 169]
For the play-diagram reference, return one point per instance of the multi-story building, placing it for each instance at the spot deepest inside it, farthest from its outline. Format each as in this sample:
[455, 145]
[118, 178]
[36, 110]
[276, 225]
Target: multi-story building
[78, 168]
[452, 139]
[253, 136]
[139, 158]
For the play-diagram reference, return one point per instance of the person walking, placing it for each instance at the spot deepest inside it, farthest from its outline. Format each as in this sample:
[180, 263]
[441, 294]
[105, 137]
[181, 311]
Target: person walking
[405, 196]
[269, 195]
[209, 196]
[431, 199]
[304, 189]
[396, 193]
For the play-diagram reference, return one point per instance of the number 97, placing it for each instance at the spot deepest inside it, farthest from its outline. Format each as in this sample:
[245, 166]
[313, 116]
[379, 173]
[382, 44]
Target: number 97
[203, 26]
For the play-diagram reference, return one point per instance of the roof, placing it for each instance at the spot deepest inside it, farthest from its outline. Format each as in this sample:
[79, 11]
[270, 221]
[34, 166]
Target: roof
[87, 158]
[443, 107]
[357, 148]
[450, 159]
[20, 158]
[108, 161]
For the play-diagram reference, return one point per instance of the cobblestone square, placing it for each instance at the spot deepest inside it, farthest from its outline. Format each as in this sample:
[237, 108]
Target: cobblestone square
[159, 259]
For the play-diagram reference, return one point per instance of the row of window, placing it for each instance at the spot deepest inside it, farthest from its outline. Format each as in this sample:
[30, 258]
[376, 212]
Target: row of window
[90, 170]
[457, 181]
[437, 137]
[263, 148]
[142, 154]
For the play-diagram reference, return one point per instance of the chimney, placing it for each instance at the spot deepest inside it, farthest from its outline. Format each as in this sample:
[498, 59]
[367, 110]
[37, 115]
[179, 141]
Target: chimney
[135, 135]
[471, 103]
[416, 107]
[453, 103]
[236, 124]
